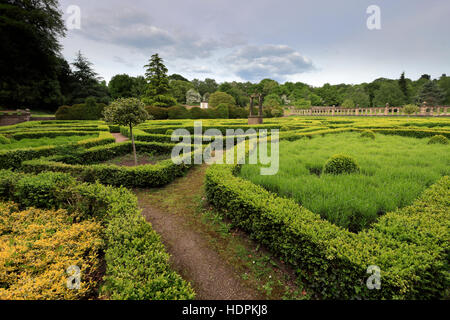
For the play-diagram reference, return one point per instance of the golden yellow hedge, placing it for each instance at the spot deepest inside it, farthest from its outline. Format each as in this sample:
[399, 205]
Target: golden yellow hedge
[37, 247]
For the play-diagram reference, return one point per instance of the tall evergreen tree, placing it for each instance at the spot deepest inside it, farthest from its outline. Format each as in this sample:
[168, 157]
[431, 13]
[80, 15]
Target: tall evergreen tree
[157, 93]
[29, 32]
[431, 93]
[403, 86]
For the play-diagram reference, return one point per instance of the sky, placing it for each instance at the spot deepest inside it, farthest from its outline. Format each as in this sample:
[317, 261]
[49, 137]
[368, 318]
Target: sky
[316, 42]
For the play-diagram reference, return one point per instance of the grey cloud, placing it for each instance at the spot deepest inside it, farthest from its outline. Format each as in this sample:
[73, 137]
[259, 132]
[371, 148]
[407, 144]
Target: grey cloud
[130, 27]
[275, 61]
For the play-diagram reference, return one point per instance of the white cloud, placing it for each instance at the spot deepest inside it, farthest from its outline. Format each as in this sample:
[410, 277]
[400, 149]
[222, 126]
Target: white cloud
[274, 61]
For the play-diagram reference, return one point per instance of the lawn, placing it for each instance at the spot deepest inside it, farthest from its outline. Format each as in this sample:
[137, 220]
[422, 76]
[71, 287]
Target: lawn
[394, 172]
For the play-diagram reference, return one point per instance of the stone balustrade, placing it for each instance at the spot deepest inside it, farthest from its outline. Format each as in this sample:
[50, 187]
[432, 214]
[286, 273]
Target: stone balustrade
[427, 111]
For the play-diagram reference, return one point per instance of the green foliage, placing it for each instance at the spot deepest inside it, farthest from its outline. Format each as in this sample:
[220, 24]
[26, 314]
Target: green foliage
[410, 109]
[302, 104]
[218, 98]
[440, 139]
[431, 93]
[272, 100]
[388, 92]
[90, 110]
[348, 104]
[198, 113]
[121, 86]
[86, 165]
[137, 265]
[126, 112]
[29, 58]
[179, 89]
[368, 134]
[341, 164]
[178, 112]
[157, 113]
[157, 93]
[4, 140]
[193, 97]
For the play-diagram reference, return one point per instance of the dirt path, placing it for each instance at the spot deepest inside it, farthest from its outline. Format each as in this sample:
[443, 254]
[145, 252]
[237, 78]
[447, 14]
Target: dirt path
[119, 137]
[191, 252]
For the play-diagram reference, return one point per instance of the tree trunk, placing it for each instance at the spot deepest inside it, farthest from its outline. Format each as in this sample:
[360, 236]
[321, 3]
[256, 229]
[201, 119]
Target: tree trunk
[134, 146]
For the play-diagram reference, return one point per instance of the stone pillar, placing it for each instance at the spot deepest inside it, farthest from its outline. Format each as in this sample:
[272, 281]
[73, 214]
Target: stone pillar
[386, 109]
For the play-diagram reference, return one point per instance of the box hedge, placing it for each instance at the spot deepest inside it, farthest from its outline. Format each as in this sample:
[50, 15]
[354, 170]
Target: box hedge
[137, 265]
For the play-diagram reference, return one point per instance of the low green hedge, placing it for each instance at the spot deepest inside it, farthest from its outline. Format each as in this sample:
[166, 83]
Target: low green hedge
[82, 165]
[12, 159]
[48, 134]
[410, 246]
[137, 265]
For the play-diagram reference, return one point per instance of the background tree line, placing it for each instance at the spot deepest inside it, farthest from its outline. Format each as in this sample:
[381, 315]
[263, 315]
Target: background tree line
[33, 74]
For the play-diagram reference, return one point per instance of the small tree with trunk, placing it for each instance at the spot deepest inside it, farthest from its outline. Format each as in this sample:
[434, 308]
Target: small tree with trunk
[127, 112]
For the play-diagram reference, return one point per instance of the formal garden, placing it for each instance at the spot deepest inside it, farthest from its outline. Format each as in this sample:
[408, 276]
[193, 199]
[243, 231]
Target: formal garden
[350, 193]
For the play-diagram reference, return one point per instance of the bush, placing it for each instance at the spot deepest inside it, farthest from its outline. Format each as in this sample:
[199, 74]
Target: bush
[48, 243]
[368, 134]
[219, 97]
[410, 109]
[340, 164]
[198, 113]
[137, 266]
[178, 112]
[87, 111]
[158, 113]
[4, 140]
[348, 104]
[438, 139]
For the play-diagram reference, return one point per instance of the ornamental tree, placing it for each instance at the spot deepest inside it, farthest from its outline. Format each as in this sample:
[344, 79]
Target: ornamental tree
[127, 112]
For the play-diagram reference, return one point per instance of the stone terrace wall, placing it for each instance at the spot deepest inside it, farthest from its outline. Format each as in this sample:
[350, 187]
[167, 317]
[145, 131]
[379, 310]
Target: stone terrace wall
[427, 111]
[8, 118]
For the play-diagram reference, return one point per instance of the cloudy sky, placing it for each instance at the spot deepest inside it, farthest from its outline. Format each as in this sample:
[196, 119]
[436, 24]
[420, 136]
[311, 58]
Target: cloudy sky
[315, 42]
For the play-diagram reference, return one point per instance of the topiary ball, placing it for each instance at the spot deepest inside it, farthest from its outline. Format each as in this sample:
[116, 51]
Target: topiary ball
[368, 134]
[341, 164]
[4, 140]
[169, 132]
[438, 139]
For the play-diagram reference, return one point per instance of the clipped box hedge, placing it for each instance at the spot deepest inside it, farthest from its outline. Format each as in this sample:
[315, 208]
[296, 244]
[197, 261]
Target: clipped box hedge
[140, 176]
[137, 265]
[411, 245]
[12, 159]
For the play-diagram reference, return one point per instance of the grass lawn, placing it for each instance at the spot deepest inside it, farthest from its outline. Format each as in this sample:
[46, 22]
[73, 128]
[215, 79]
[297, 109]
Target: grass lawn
[142, 158]
[32, 143]
[394, 172]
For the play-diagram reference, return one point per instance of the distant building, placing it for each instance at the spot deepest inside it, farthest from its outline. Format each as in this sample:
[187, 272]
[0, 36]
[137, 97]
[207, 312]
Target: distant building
[204, 105]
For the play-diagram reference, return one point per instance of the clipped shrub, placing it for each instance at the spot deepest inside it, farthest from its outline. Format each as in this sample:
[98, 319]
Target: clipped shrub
[169, 132]
[48, 243]
[137, 265]
[340, 164]
[4, 140]
[198, 113]
[178, 112]
[438, 139]
[158, 113]
[368, 134]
